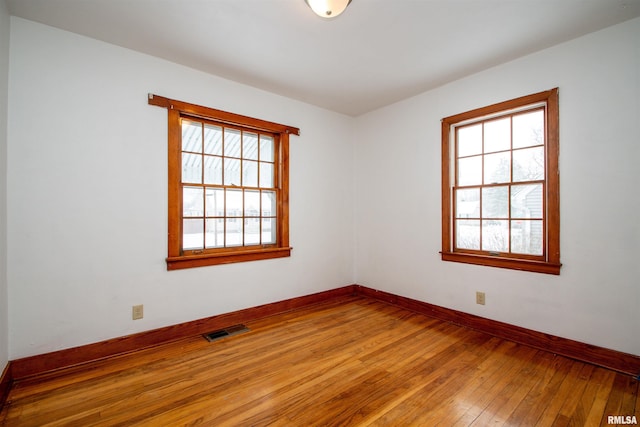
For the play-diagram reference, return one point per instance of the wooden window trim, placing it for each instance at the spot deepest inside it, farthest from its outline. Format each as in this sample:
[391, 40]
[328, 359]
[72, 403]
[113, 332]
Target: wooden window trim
[176, 259]
[551, 262]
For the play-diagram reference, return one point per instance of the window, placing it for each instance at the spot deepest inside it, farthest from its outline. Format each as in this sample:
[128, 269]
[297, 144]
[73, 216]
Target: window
[500, 185]
[228, 186]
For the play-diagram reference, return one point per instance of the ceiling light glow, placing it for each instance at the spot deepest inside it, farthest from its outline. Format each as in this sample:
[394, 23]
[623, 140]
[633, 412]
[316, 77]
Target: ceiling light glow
[328, 8]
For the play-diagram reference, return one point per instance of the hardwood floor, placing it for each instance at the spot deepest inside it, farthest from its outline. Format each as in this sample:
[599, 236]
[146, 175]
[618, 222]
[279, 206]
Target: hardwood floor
[355, 361]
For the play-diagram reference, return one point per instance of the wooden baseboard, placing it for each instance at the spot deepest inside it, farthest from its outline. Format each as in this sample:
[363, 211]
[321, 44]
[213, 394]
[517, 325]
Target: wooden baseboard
[43, 363]
[611, 359]
[5, 384]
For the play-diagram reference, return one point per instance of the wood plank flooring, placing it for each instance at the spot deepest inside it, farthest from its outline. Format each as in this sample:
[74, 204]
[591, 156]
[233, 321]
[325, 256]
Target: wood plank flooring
[352, 362]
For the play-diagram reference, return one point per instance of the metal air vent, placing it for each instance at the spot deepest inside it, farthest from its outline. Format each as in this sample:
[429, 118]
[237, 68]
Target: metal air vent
[227, 332]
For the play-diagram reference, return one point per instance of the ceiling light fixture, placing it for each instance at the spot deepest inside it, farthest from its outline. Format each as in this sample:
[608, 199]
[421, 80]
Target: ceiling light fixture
[328, 8]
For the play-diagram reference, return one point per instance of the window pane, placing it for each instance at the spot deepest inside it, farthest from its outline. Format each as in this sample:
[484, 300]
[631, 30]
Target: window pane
[249, 173]
[214, 202]
[191, 168]
[536, 240]
[470, 171]
[269, 229]
[266, 148]
[234, 203]
[528, 164]
[191, 136]
[497, 135]
[250, 146]
[528, 129]
[212, 170]
[214, 237]
[212, 139]
[468, 234]
[497, 168]
[233, 232]
[470, 140]
[526, 237]
[232, 172]
[268, 203]
[252, 231]
[192, 234]
[495, 202]
[266, 175]
[231, 143]
[468, 203]
[251, 203]
[526, 201]
[192, 201]
[495, 236]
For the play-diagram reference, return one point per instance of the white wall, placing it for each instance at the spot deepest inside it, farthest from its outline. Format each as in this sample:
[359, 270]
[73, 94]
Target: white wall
[87, 195]
[4, 79]
[596, 298]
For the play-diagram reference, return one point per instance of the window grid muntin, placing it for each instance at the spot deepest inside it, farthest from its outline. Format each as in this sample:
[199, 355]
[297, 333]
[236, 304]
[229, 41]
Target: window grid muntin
[266, 159]
[510, 183]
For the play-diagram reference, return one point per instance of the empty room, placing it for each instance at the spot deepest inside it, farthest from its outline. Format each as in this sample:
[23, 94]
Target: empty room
[310, 213]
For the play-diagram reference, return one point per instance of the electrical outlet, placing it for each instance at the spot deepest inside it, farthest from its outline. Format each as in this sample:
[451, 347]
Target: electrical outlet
[137, 312]
[480, 298]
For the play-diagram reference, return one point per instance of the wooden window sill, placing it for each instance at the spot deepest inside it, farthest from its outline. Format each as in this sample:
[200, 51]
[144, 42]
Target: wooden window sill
[501, 262]
[203, 260]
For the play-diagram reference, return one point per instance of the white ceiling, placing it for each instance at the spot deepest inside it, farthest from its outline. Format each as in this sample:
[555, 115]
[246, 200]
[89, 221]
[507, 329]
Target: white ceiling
[376, 53]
